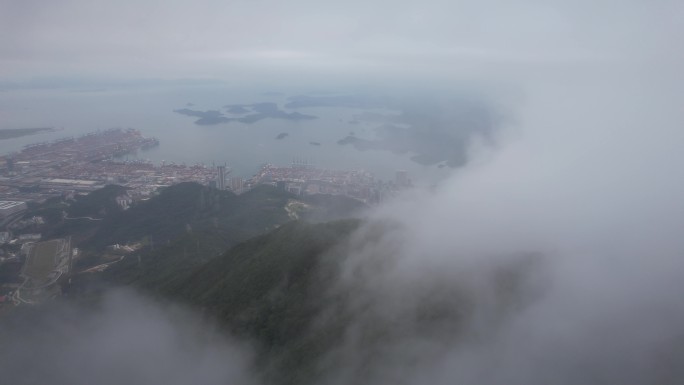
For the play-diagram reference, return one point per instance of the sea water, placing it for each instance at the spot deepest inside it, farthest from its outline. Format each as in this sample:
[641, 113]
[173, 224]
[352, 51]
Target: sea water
[243, 147]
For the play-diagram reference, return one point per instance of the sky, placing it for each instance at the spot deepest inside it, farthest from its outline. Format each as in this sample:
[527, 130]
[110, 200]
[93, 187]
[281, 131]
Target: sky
[250, 40]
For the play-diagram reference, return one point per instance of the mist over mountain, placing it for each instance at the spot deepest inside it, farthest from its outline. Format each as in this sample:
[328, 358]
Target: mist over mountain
[124, 338]
[543, 246]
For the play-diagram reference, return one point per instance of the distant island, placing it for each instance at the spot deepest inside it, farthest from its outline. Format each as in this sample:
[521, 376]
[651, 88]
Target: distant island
[10, 133]
[206, 118]
[426, 148]
[430, 133]
[256, 112]
[236, 109]
[282, 135]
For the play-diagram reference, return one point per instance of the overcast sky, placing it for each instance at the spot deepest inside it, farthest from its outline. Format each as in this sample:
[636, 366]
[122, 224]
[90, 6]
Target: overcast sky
[238, 39]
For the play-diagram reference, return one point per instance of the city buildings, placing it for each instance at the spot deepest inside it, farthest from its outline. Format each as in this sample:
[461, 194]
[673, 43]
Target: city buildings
[237, 185]
[83, 164]
[87, 163]
[304, 179]
[221, 177]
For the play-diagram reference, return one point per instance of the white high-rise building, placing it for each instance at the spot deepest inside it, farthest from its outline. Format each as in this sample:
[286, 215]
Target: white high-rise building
[237, 184]
[221, 177]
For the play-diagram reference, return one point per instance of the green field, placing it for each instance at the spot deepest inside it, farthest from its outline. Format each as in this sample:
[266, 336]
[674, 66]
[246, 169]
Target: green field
[42, 259]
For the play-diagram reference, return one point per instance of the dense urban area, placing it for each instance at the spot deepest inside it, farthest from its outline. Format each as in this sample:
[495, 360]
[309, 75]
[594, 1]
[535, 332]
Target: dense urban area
[89, 162]
[71, 167]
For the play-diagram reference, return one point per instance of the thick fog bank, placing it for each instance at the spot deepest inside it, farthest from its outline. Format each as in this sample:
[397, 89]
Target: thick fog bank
[554, 258]
[124, 339]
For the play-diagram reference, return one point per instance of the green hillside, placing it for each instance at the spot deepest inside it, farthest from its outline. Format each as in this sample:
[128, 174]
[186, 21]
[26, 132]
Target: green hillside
[191, 207]
[187, 224]
[97, 204]
[156, 269]
[281, 290]
[324, 207]
[270, 289]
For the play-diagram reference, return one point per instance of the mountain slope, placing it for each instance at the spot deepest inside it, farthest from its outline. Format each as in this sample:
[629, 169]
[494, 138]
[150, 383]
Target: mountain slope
[270, 289]
[286, 291]
[97, 204]
[187, 225]
[192, 207]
